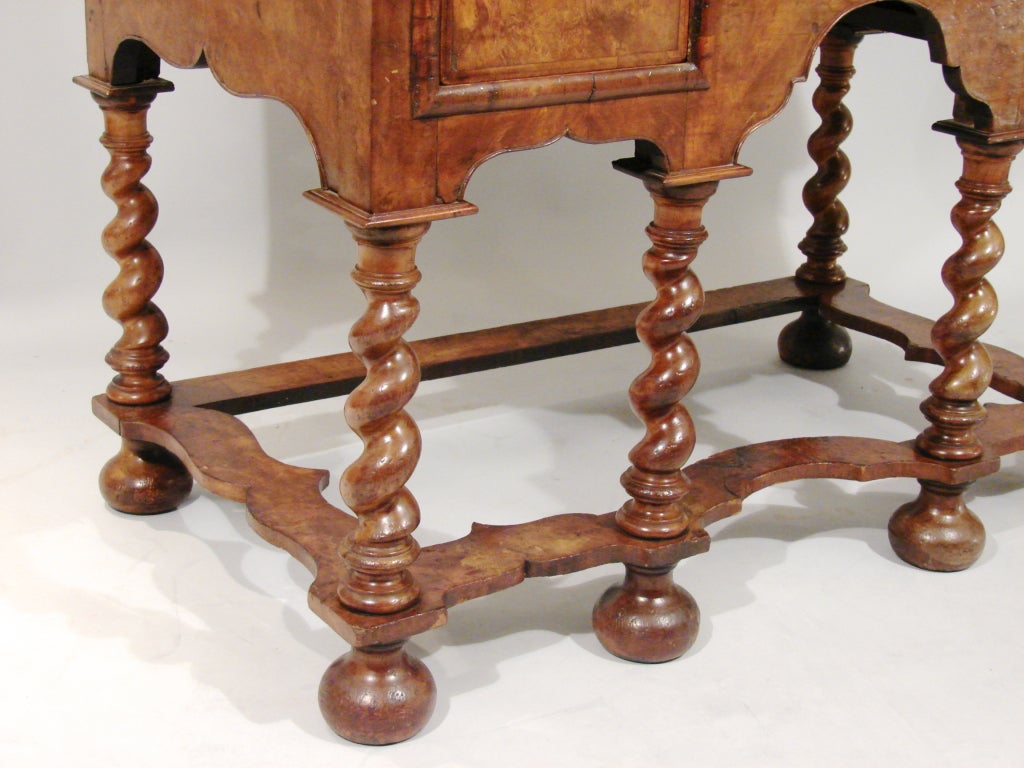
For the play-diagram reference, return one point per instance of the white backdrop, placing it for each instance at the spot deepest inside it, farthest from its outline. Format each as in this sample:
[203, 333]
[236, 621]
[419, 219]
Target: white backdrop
[182, 640]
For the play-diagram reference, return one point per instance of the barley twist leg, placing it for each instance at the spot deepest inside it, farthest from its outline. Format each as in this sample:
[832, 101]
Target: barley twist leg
[937, 531]
[648, 617]
[381, 548]
[811, 341]
[142, 478]
[381, 694]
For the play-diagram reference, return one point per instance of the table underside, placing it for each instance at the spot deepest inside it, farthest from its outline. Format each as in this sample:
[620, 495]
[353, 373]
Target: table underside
[286, 506]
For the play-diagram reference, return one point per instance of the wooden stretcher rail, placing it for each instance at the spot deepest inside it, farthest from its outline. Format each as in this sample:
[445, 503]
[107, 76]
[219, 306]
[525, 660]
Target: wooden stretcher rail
[224, 456]
[291, 513]
[318, 378]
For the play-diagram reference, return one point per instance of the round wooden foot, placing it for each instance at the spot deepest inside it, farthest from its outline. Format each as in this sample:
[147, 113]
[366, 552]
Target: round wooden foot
[144, 479]
[377, 695]
[813, 342]
[937, 531]
[647, 618]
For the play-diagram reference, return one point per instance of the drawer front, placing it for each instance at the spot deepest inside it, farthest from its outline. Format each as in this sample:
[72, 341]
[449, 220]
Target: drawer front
[494, 39]
[489, 55]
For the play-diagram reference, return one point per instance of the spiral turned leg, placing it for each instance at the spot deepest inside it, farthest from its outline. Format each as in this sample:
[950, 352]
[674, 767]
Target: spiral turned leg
[380, 694]
[649, 618]
[137, 357]
[938, 531]
[142, 478]
[811, 341]
[381, 549]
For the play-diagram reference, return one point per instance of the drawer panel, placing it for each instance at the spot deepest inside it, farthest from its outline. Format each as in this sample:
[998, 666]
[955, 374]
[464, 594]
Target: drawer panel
[491, 55]
[494, 39]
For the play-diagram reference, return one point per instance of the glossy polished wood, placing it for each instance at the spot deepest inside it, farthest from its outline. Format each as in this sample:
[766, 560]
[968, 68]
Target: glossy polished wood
[648, 618]
[655, 479]
[381, 547]
[144, 479]
[402, 100]
[377, 56]
[811, 341]
[137, 356]
[953, 408]
[377, 695]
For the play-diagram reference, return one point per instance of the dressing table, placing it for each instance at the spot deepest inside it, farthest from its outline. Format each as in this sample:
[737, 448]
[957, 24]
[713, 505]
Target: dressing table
[401, 100]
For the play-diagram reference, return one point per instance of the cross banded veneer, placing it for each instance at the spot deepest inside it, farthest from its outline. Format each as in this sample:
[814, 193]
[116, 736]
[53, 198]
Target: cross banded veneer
[402, 100]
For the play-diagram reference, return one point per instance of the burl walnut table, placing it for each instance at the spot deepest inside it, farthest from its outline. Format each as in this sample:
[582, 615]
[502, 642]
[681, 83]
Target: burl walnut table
[402, 100]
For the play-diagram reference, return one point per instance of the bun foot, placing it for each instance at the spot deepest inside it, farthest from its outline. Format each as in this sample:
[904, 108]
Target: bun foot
[377, 695]
[813, 342]
[937, 531]
[648, 618]
[144, 479]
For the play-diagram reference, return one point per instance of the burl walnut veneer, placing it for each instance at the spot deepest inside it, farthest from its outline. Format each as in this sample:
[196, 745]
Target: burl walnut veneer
[401, 100]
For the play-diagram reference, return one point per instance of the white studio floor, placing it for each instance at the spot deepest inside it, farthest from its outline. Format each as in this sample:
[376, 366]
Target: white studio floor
[185, 640]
